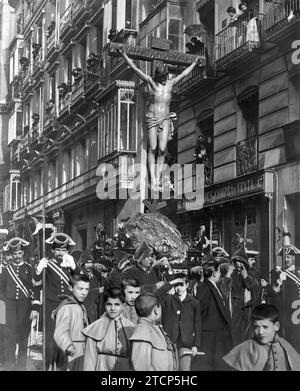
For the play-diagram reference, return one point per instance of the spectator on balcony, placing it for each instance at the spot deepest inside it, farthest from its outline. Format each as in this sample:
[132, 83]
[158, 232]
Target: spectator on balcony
[231, 11]
[243, 7]
[232, 31]
[195, 46]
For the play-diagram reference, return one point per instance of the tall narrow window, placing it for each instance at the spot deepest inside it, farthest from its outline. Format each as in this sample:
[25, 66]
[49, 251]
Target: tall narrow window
[249, 104]
[130, 14]
[204, 150]
[114, 15]
[93, 149]
[247, 153]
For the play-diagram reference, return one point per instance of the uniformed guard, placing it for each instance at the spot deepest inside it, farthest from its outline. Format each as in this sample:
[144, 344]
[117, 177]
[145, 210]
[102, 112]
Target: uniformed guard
[284, 293]
[17, 286]
[58, 272]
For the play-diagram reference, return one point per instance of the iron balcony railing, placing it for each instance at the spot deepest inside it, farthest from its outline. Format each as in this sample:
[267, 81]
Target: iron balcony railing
[197, 75]
[244, 32]
[247, 156]
[280, 12]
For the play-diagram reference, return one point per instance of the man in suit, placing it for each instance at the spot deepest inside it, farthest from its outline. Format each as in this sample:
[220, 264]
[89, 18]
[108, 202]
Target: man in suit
[16, 282]
[58, 271]
[216, 338]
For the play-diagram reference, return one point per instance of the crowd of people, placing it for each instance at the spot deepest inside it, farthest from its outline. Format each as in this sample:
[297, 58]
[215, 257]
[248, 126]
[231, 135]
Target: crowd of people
[143, 316]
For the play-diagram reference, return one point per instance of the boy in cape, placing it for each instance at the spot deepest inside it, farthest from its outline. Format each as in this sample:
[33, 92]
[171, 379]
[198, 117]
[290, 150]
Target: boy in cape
[152, 348]
[71, 318]
[107, 344]
[266, 351]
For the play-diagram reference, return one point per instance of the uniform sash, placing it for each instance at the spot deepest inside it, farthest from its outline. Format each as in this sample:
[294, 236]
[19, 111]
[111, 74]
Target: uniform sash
[292, 276]
[59, 272]
[17, 281]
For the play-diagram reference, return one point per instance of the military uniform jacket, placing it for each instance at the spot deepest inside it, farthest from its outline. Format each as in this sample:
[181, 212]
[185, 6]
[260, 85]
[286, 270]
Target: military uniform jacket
[57, 281]
[287, 301]
[11, 289]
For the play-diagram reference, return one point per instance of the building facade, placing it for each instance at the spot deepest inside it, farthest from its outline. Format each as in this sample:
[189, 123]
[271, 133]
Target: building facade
[247, 110]
[75, 111]
[6, 34]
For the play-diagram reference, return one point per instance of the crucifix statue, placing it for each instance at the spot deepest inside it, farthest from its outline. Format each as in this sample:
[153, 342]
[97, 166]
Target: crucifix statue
[159, 119]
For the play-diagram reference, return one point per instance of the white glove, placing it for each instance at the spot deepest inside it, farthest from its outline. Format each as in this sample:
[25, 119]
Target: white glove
[41, 266]
[68, 261]
[34, 317]
[282, 276]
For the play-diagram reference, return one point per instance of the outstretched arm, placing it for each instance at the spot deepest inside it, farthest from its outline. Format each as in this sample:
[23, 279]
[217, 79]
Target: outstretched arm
[132, 65]
[188, 70]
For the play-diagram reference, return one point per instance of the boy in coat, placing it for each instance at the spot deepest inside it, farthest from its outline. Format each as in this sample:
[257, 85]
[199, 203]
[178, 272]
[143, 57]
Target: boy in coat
[181, 318]
[132, 290]
[107, 344]
[151, 349]
[216, 338]
[71, 318]
[266, 351]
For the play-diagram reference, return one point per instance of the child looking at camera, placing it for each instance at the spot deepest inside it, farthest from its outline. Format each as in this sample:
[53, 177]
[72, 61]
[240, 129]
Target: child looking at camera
[266, 351]
[71, 318]
[132, 290]
[107, 344]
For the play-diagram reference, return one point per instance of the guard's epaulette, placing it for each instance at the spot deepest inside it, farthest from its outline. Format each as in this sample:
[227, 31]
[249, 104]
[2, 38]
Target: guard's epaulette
[28, 264]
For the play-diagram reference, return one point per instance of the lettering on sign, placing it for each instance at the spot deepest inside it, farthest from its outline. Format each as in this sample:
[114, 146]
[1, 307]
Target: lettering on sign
[242, 187]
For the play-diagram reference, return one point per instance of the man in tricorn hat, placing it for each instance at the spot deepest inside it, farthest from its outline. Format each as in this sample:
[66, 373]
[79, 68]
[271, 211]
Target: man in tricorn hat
[242, 287]
[58, 272]
[284, 293]
[16, 281]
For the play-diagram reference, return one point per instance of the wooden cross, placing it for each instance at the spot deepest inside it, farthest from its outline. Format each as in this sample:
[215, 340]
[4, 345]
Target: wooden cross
[172, 57]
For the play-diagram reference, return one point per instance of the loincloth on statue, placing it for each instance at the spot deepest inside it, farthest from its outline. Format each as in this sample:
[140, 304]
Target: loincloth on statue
[158, 123]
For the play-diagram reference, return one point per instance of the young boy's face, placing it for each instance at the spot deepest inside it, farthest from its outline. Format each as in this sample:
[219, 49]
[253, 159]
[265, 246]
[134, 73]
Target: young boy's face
[80, 290]
[157, 312]
[113, 308]
[181, 287]
[265, 331]
[131, 293]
